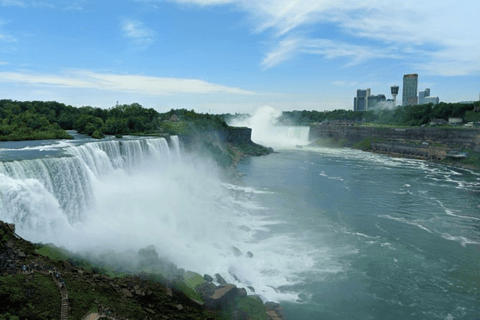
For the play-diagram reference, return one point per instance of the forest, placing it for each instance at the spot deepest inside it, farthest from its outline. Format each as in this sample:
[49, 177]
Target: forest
[33, 120]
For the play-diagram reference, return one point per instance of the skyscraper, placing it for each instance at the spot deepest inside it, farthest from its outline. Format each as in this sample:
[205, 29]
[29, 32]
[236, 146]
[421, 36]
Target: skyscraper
[365, 101]
[410, 88]
[360, 103]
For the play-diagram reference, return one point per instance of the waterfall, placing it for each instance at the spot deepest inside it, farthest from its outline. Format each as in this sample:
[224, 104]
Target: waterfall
[29, 188]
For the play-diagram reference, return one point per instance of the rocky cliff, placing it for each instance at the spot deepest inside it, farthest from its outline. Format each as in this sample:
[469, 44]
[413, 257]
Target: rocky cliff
[423, 142]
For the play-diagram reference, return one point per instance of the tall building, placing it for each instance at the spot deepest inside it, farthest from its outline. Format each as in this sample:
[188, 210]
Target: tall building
[364, 101]
[410, 88]
[360, 102]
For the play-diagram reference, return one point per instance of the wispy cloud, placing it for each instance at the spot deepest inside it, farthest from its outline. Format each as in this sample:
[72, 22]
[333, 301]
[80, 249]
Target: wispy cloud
[3, 63]
[449, 29]
[136, 31]
[4, 36]
[329, 49]
[154, 86]
[15, 3]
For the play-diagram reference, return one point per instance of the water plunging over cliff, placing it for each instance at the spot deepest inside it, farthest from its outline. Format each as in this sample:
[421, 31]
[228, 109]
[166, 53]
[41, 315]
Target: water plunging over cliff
[266, 131]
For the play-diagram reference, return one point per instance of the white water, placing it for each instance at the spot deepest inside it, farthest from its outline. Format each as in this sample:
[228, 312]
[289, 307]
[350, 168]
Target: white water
[126, 195]
[266, 131]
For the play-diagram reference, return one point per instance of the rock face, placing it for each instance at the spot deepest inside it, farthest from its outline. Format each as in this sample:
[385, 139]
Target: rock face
[453, 137]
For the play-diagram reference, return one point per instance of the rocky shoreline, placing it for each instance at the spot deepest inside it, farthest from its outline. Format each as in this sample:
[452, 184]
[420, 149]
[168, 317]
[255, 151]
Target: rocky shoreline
[35, 286]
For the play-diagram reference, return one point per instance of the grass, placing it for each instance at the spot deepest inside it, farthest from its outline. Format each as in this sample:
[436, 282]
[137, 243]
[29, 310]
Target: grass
[53, 252]
[364, 144]
[31, 296]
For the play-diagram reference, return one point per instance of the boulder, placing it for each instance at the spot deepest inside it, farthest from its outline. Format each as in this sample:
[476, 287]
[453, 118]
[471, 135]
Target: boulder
[127, 293]
[222, 297]
[206, 290]
[207, 278]
[242, 292]
[249, 254]
[274, 311]
[220, 279]
[237, 252]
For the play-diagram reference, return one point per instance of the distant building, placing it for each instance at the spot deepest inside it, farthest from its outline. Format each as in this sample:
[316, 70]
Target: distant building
[410, 88]
[375, 101]
[364, 101]
[434, 100]
[394, 92]
[454, 120]
[360, 102]
[424, 97]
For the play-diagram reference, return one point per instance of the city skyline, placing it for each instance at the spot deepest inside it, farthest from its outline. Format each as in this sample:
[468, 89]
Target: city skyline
[233, 55]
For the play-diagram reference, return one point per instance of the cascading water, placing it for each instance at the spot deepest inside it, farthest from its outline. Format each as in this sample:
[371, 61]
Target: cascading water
[128, 194]
[266, 131]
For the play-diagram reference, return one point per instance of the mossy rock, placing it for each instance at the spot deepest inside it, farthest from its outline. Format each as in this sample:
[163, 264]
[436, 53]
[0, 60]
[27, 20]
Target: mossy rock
[179, 284]
[193, 279]
[253, 306]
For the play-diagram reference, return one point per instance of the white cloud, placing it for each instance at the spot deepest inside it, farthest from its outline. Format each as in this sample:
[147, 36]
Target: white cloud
[445, 31]
[15, 3]
[3, 63]
[153, 86]
[141, 35]
[330, 49]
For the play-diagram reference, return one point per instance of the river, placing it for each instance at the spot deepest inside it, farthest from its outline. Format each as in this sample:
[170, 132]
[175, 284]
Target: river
[334, 233]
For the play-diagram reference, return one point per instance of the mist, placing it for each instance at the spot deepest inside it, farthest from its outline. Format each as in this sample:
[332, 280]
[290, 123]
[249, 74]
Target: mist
[268, 131]
[165, 198]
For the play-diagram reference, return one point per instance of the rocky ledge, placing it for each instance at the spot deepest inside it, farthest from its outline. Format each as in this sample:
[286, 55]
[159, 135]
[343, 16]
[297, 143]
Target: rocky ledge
[35, 286]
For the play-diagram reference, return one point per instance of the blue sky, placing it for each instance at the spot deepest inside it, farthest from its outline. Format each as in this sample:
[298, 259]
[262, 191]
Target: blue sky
[235, 55]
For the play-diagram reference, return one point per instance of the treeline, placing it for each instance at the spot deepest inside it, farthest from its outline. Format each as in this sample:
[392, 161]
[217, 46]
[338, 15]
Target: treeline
[32, 120]
[186, 122]
[401, 115]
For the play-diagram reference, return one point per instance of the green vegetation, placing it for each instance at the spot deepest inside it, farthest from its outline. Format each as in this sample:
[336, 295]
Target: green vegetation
[364, 144]
[33, 120]
[253, 306]
[31, 296]
[53, 252]
[400, 116]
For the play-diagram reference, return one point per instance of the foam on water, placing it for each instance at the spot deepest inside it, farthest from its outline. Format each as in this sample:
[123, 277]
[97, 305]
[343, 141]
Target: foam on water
[128, 194]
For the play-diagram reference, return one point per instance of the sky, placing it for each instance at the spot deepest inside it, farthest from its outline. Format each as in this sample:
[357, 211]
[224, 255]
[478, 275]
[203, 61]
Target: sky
[234, 56]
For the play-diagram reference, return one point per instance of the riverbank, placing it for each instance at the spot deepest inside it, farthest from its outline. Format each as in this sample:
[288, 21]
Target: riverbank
[437, 144]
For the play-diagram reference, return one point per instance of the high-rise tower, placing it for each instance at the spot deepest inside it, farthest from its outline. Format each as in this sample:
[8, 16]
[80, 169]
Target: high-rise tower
[410, 88]
[394, 91]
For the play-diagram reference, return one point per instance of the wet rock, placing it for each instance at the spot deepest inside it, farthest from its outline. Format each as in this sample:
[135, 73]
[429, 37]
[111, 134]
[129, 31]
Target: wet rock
[127, 293]
[274, 311]
[206, 290]
[251, 288]
[249, 254]
[242, 292]
[207, 278]
[220, 279]
[237, 252]
[222, 297]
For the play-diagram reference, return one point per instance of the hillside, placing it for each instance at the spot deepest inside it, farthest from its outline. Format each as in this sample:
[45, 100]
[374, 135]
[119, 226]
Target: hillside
[45, 282]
